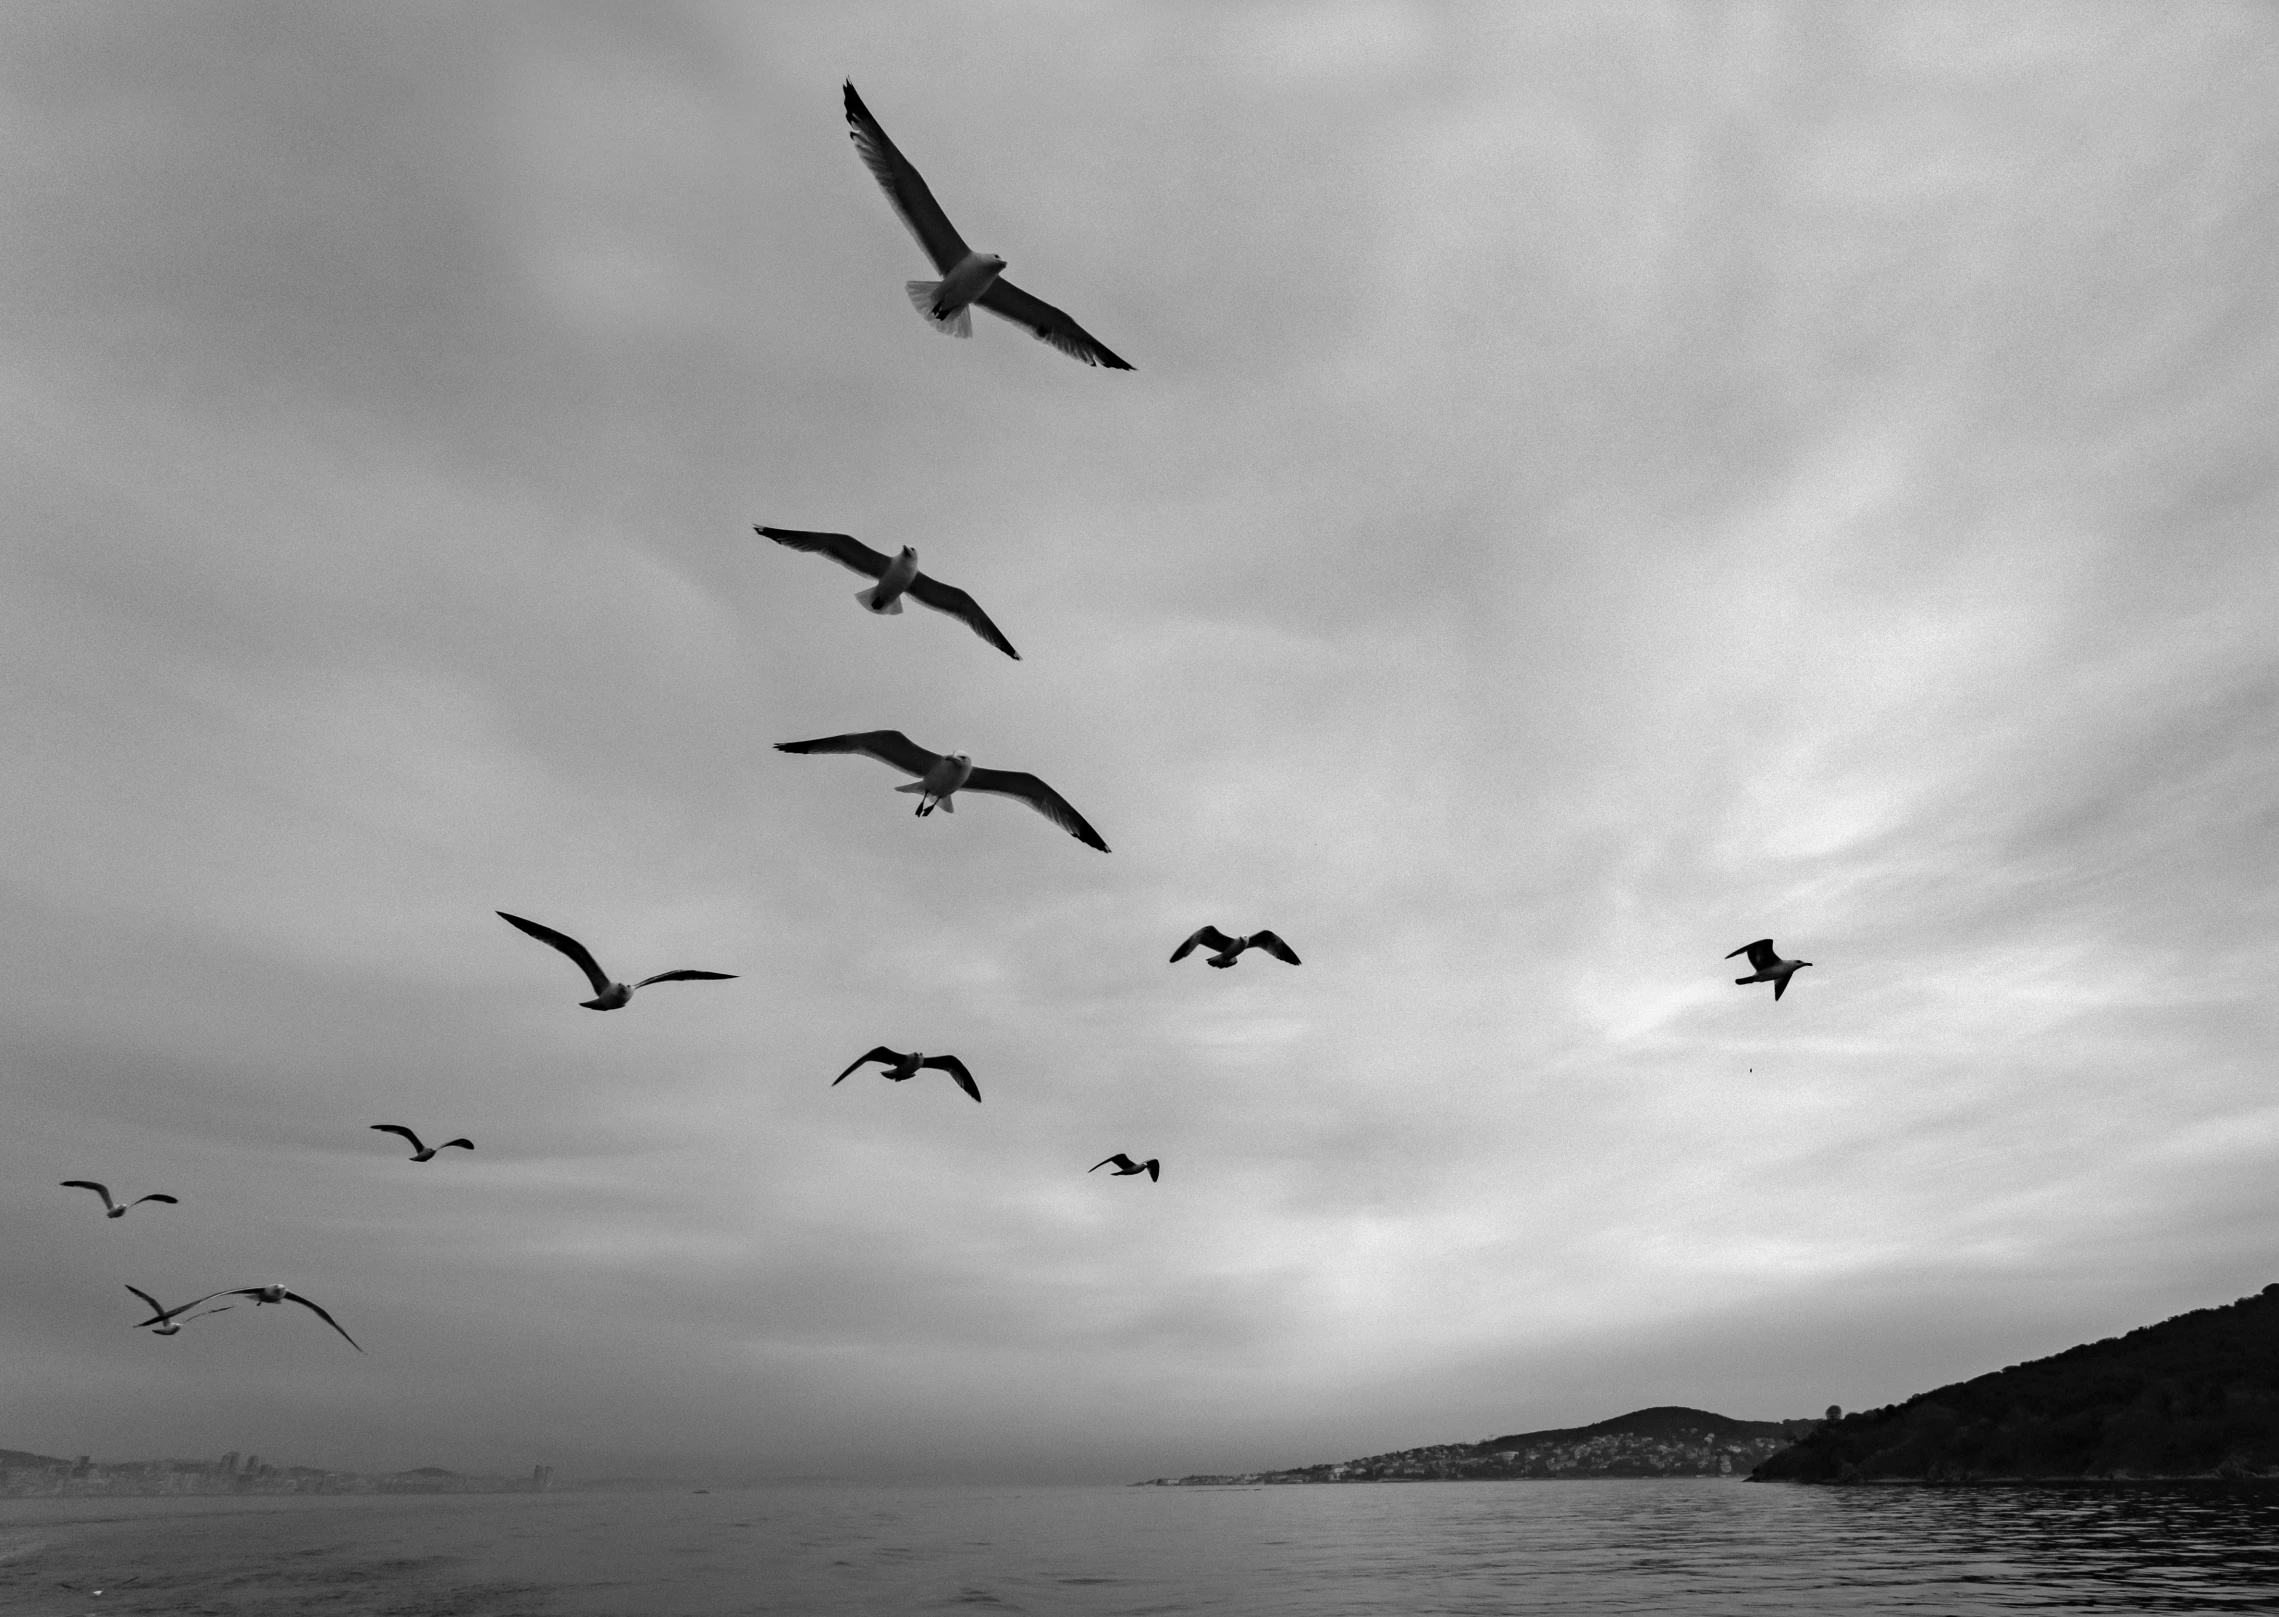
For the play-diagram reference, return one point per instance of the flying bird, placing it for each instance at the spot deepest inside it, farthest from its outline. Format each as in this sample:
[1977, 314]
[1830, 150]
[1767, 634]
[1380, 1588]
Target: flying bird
[420, 1153]
[278, 1294]
[897, 577]
[1229, 950]
[608, 995]
[968, 278]
[940, 775]
[165, 1321]
[899, 1066]
[1770, 967]
[116, 1210]
[1126, 1167]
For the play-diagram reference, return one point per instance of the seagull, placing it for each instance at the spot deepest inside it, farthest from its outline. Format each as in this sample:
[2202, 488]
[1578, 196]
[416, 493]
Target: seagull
[168, 1321]
[940, 775]
[968, 277]
[278, 1294]
[899, 1066]
[896, 577]
[608, 996]
[1229, 950]
[116, 1211]
[1126, 1167]
[420, 1153]
[1771, 968]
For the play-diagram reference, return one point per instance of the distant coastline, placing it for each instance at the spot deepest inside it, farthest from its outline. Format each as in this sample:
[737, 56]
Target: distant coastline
[1665, 1441]
[25, 1475]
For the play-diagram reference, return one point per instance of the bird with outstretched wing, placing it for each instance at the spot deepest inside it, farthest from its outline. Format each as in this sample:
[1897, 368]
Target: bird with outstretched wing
[941, 775]
[897, 575]
[969, 279]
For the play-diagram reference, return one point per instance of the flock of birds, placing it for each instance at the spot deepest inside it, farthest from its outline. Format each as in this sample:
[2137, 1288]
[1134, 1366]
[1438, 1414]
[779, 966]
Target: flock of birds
[969, 280]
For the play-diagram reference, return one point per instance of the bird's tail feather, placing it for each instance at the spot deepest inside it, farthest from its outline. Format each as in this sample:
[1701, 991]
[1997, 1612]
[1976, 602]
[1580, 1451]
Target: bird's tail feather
[869, 598]
[922, 293]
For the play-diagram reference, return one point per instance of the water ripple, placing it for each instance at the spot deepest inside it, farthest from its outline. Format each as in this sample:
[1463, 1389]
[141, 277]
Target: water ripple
[1564, 1549]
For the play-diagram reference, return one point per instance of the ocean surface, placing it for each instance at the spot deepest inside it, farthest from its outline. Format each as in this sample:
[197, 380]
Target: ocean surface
[1427, 1548]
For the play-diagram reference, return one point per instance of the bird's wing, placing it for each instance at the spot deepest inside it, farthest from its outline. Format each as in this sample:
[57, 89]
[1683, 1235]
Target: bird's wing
[398, 1128]
[156, 1307]
[1039, 796]
[448, 1144]
[946, 598]
[296, 1297]
[1119, 1159]
[845, 549]
[687, 977]
[1154, 1170]
[1208, 936]
[881, 1054]
[103, 1191]
[1274, 946]
[1009, 302]
[956, 1069]
[568, 945]
[903, 187]
[890, 747]
[154, 1196]
[1780, 986]
[1760, 953]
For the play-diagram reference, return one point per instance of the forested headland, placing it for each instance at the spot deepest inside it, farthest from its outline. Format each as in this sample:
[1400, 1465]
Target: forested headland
[2194, 1396]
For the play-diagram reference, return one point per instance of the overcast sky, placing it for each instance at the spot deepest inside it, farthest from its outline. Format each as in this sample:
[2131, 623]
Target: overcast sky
[1600, 485]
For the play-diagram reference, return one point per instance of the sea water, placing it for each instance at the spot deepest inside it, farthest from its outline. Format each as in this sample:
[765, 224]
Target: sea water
[1659, 1547]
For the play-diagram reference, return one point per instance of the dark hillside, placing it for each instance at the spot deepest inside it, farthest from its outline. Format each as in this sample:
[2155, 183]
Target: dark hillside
[2197, 1395]
[1669, 1422]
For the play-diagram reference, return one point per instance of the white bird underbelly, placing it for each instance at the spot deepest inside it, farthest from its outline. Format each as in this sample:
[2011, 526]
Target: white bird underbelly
[973, 275]
[886, 594]
[935, 787]
[947, 303]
